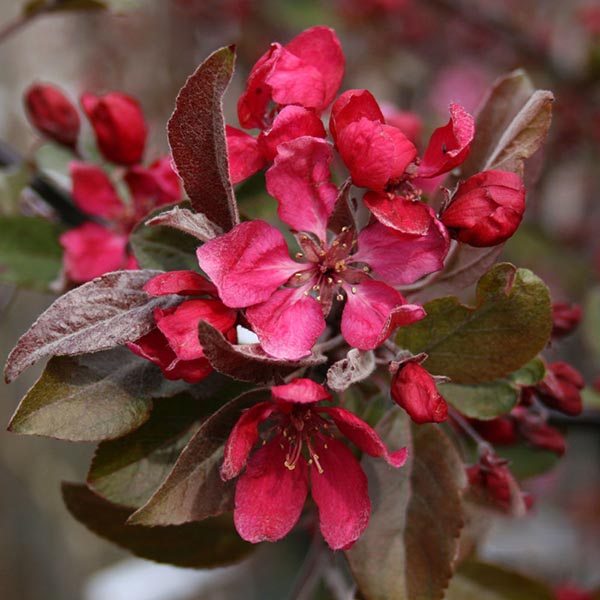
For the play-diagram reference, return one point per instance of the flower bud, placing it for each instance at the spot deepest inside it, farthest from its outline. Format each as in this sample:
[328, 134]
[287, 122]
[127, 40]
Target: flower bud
[487, 208]
[414, 389]
[565, 317]
[52, 114]
[119, 126]
[560, 388]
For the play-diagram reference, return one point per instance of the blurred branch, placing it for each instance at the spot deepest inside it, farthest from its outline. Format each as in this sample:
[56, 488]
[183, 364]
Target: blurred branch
[14, 25]
[52, 194]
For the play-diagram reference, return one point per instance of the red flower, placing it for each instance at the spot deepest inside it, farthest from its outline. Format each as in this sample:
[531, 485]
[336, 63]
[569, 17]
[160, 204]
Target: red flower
[308, 72]
[450, 145]
[247, 154]
[174, 345]
[299, 446]
[493, 482]
[286, 301]
[486, 209]
[376, 154]
[119, 126]
[414, 389]
[52, 114]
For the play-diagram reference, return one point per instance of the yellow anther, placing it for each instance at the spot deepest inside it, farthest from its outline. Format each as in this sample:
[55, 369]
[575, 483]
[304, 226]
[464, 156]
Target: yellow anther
[339, 297]
[299, 255]
[353, 290]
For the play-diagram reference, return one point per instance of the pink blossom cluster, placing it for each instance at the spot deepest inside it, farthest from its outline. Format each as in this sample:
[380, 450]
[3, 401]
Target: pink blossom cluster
[114, 196]
[339, 270]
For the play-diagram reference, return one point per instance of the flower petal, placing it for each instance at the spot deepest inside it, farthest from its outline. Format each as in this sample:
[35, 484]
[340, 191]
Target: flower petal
[185, 283]
[91, 250]
[93, 191]
[450, 145]
[300, 391]
[291, 123]
[341, 493]
[248, 263]
[368, 316]
[363, 436]
[351, 106]
[401, 258]
[242, 438]
[181, 327]
[300, 181]
[288, 324]
[245, 156]
[153, 186]
[401, 214]
[269, 497]
[321, 48]
[374, 153]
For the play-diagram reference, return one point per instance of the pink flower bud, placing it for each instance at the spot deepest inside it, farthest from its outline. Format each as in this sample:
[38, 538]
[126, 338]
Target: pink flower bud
[560, 388]
[487, 208]
[52, 114]
[414, 389]
[119, 126]
[571, 592]
[565, 317]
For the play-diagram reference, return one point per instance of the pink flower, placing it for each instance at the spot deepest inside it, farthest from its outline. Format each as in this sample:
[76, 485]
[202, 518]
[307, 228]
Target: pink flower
[174, 344]
[93, 249]
[414, 389]
[286, 301]
[308, 72]
[270, 493]
[486, 209]
[247, 154]
[52, 114]
[119, 126]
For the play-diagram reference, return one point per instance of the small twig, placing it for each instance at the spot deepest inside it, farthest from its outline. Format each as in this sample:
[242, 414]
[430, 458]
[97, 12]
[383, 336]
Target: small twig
[15, 25]
[60, 200]
[311, 570]
[482, 445]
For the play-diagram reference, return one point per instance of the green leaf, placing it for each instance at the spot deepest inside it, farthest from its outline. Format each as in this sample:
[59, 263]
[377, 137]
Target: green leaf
[128, 471]
[198, 143]
[89, 397]
[30, 254]
[212, 543]
[480, 581]
[13, 181]
[194, 489]
[508, 326]
[481, 401]
[531, 374]
[162, 247]
[591, 398]
[527, 461]
[409, 547]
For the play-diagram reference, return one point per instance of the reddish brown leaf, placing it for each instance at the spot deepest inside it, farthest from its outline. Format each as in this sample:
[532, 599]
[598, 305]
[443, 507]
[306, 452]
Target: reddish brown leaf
[187, 221]
[198, 143]
[101, 314]
[194, 489]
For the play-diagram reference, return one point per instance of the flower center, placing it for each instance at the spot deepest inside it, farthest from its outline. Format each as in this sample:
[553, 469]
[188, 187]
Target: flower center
[299, 428]
[330, 267]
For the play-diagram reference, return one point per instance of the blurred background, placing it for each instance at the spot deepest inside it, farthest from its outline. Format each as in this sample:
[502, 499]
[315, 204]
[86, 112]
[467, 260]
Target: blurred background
[418, 55]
